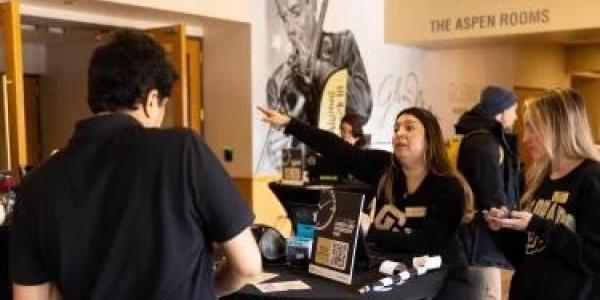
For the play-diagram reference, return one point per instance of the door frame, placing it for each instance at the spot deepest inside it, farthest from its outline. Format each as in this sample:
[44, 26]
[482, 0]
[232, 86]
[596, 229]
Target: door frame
[13, 60]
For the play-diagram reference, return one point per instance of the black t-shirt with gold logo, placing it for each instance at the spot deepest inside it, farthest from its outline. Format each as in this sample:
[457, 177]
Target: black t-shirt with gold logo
[562, 244]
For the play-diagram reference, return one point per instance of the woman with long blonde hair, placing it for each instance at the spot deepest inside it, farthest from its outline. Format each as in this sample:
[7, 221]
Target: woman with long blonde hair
[421, 200]
[554, 241]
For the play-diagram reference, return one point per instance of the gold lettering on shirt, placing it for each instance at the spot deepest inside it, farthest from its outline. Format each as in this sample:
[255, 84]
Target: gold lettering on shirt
[566, 219]
[552, 210]
[560, 197]
[535, 244]
[415, 211]
[389, 217]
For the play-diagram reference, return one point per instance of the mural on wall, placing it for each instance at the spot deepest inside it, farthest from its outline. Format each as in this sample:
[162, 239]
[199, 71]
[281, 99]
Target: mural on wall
[462, 95]
[305, 57]
[393, 94]
[384, 78]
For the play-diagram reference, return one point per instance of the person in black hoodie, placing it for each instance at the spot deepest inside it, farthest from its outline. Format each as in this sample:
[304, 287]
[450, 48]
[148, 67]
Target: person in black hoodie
[554, 242]
[421, 200]
[488, 159]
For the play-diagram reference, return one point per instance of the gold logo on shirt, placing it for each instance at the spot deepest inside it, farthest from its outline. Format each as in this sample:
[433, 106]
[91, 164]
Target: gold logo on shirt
[415, 211]
[390, 218]
[560, 197]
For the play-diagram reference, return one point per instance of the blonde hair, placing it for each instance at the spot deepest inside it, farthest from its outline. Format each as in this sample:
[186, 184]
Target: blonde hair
[436, 159]
[558, 117]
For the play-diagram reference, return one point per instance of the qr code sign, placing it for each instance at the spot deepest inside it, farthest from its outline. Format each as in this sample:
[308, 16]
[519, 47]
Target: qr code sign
[338, 255]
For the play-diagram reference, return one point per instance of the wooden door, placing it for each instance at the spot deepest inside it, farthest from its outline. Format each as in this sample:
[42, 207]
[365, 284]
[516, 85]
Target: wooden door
[12, 117]
[194, 62]
[524, 94]
[589, 88]
[31, 86]
[173, 40]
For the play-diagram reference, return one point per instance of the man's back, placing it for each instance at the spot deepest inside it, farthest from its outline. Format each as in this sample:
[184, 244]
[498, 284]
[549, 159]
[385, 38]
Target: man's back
[125, 212]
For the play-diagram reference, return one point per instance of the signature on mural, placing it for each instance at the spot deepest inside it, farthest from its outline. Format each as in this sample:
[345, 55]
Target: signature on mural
[461, 96]
[395, 93]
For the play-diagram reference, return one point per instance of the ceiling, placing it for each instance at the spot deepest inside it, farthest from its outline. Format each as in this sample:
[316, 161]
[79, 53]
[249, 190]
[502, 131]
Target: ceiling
[51, 31]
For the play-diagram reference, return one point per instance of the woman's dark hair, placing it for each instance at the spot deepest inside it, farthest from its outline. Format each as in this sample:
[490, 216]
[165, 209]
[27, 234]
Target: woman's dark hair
[436, 158]
[354, 121]
[123, 72]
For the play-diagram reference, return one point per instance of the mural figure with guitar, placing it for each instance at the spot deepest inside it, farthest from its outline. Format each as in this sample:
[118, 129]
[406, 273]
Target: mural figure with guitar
[322, 79]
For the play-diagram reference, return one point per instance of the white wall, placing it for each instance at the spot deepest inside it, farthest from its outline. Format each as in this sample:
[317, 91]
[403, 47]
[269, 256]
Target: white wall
[454, 78]
[410, 21]
[260, 60]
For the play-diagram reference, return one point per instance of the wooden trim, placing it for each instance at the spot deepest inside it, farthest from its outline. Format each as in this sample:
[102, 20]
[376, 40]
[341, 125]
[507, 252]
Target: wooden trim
[263, 202]
[173, 40]
[523, 94]
[13, 60]
[194, 61]
[244, 186]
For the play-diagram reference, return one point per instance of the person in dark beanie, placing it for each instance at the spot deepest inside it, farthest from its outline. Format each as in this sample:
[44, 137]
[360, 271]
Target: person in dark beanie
[488, 159]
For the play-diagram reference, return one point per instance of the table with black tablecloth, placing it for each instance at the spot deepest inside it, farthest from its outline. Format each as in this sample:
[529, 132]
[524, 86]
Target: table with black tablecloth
[423, 287]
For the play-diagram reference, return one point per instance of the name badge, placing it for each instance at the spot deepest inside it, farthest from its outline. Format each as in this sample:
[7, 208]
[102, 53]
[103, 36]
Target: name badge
[415, 211]
[560, 197]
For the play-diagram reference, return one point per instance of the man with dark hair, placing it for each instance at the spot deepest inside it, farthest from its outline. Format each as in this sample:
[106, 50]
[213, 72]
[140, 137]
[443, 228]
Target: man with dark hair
[127, 210]
[488, 159]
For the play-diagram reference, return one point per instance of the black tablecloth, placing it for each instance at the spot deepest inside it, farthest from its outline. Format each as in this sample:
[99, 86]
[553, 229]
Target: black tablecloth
[5, 286]
[422, 287]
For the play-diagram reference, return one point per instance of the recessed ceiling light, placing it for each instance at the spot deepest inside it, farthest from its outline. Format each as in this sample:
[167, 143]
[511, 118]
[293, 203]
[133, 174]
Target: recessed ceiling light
[56, 30]
[28, 27]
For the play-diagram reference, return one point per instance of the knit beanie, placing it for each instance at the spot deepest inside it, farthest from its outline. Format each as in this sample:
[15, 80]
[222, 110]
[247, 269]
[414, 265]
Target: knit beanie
[495, 99]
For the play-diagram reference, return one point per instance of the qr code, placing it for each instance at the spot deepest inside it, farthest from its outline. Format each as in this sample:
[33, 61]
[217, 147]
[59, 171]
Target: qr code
[338, 255]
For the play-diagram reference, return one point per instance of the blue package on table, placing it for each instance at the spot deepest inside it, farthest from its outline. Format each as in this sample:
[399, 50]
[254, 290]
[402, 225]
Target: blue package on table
[306, 231]
[298, 250]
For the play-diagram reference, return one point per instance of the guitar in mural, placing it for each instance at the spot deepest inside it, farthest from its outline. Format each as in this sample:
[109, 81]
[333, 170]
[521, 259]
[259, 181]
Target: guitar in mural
[300, 86]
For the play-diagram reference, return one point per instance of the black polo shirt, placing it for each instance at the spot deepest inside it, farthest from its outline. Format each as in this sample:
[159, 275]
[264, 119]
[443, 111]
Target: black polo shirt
[125, 212]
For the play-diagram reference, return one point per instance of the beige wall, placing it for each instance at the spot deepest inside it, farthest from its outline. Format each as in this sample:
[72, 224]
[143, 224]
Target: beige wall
[233, 10]
[590, 90]
[267, 209]
[111, 14]
[63, 97]
[540, 65]
[583, 58]
[34, 58]
[226, 60]
[227, 102]
[414, 25]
